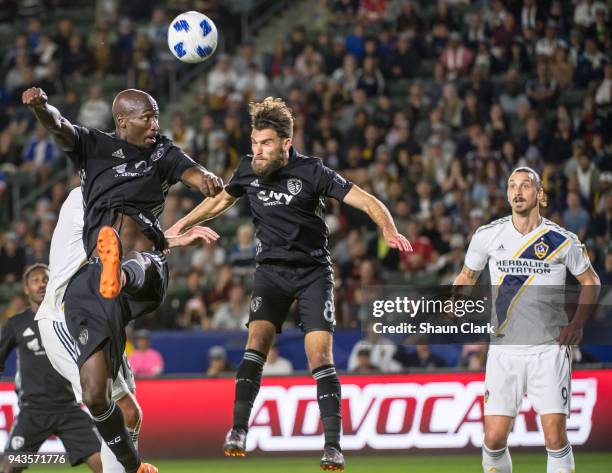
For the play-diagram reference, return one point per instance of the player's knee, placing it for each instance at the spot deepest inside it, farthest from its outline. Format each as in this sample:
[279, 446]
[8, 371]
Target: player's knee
[315, 360]
[495, 440]
[133, 416]
[96, 400]
[555, 440]
[260, 341]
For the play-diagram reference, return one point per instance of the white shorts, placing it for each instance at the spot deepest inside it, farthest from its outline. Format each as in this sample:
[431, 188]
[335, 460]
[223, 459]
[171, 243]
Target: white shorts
[545, 377]
[62, 351]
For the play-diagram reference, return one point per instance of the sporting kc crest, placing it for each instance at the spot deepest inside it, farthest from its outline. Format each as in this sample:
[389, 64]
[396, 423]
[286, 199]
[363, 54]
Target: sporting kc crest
[294, 186]
[541, 249]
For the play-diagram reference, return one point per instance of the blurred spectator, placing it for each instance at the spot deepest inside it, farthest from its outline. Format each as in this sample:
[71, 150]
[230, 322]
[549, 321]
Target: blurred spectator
[95, 112]
[180, 132]
[12, 259]
[380, 352]
[233, 314]
[415, 353]
[584, 13]
[575, 218]
[242, 255]
[222, 76]
[276, 364]
[541, 90]
[40, 152]
[218, 364]
[473, 357]
[456, 58]
[363, 363]
[146, 362]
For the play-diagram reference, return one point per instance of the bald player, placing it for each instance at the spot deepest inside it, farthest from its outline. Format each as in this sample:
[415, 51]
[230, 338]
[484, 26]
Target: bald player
[125, 176]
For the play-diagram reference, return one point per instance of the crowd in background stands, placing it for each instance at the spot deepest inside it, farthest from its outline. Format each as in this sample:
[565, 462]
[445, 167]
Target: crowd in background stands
[435, 145]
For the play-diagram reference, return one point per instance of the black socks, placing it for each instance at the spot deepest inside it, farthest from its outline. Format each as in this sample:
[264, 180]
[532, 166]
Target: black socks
[248, 380]
[328, 396]
[112, 429]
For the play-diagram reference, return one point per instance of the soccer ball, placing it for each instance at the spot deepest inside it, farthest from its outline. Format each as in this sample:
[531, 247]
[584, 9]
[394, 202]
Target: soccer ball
[192, 37]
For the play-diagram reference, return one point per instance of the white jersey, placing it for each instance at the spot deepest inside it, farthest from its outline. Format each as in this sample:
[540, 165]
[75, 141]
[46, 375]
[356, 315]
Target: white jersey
[528, 275]
[66, 256]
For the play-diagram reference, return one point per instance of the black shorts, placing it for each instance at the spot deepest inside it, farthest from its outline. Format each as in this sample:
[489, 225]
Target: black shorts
[74, 428]
[276, 287]
[97, 323]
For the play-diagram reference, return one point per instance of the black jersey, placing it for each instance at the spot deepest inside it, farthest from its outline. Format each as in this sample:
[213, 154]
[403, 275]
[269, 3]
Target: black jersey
[288, 208]
[117, 176]
[37, 383]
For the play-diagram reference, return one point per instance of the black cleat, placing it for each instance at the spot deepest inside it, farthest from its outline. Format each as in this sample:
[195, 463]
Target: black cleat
[332, 459]
[235, 445]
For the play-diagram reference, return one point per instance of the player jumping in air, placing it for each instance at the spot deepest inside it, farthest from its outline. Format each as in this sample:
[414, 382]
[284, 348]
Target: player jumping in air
[125, 176]
[47, 404]
[66, 256]
[287, 192]
[531, 351]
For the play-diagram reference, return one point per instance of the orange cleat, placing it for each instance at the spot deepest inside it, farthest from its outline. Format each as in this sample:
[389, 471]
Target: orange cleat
[235, 446]
[109, 252]
[332, 460]
[147, 468]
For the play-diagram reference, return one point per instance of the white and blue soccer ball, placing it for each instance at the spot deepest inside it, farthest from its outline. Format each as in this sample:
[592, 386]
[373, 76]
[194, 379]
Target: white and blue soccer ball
[192, 37]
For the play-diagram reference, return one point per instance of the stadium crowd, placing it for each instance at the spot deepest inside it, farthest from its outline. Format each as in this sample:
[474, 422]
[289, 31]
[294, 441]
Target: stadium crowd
[426, 105]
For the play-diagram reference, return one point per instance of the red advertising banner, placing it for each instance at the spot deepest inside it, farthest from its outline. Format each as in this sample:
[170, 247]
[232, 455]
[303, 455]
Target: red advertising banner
[190, 417]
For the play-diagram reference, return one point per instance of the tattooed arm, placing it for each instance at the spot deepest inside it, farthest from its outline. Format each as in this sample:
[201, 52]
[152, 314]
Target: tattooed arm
[467, 277]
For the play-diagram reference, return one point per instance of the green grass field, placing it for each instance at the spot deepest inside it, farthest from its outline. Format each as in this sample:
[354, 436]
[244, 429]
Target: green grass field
[523, 463]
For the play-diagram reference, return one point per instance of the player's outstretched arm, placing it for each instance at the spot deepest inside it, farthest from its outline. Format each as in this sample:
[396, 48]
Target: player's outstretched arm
[50, 117]
[206, 210]
[377, 211]
[205, 181]
[192, 236]
[587, 301]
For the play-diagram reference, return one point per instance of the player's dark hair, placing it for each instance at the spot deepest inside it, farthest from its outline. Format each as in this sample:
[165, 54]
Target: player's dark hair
[30, 269]
[272, 113]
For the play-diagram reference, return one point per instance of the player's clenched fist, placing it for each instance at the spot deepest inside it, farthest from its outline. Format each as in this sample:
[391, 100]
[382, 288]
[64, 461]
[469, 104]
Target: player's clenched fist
[34, 97]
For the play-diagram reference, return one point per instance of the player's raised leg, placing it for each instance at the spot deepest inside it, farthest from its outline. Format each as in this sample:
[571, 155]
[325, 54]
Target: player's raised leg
[560, 455]
[495, 453]
[248, 380]
[318, 346]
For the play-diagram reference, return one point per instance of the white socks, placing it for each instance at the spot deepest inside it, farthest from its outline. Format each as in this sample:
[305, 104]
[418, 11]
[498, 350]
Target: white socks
[496, 461]
[560, 461]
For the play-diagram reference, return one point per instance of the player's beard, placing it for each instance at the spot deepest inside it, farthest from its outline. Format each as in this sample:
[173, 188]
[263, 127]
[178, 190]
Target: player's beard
[273, 163]
[526, 210]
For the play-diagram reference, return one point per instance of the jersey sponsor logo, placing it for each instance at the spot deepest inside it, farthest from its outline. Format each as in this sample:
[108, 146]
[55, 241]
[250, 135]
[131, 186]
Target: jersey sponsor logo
[541, 249]
[17, 442]
[400, 415]
[118, 154]
[270, 198]
[501, 247]
[294, 186]
[28, 332]
[83, 336]
[122, 169]
[255, 183]
[256, 303]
